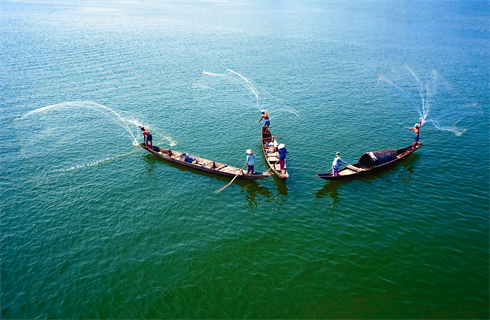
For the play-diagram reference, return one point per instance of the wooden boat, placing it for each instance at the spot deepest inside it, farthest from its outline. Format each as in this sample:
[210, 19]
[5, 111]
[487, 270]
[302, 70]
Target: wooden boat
[204, 164]
[269, 148]
[371, 162]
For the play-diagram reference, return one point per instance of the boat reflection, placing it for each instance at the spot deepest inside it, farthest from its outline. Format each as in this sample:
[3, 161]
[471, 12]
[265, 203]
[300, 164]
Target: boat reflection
[257, 193]
[282, 188]
[254, 192]
[330, 189]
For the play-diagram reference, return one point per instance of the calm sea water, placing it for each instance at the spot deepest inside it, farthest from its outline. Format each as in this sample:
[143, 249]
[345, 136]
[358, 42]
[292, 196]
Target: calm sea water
[92, 226]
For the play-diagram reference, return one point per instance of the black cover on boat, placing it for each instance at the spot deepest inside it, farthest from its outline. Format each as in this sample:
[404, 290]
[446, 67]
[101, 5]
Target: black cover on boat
[377, 158]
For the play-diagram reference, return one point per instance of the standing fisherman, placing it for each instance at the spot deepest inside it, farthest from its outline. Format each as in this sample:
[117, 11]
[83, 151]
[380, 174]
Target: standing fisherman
[281, 149]
[147, 137]
[265, 116]
[416, 129]
[337, 162]
[250, 161]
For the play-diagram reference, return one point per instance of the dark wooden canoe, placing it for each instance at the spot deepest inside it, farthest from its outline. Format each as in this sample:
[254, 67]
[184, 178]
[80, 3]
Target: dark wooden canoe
[272, 157]
[204, 164]
[371, 162]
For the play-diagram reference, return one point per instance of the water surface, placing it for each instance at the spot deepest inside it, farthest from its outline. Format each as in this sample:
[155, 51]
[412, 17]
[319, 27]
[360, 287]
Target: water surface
[92, 226]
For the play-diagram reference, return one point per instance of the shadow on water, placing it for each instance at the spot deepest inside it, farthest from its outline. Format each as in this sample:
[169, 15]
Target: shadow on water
[254, 191]
[330, 189]
[282, 188]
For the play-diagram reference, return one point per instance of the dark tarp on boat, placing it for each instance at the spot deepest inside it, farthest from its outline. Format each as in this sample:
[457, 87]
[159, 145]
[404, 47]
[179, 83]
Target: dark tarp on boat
[377, 158]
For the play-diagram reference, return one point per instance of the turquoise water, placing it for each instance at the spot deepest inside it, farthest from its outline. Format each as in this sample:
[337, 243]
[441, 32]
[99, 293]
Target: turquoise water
[93, 226]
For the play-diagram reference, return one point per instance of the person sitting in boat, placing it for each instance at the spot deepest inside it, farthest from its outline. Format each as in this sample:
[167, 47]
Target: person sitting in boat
[337, 162]
[416, 129]
[250, 161]
[265, 116]
[282, 156]
[271, 148]
[185, 157]
[147, 137]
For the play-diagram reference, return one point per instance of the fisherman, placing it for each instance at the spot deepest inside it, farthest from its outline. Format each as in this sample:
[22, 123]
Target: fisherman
[250, 161]
[265, 116]
[416, 129]
[337, 162]
[147, 137]
[282, 156]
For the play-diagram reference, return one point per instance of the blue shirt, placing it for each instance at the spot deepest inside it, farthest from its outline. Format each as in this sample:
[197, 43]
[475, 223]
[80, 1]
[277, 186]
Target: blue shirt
[337, 162]
[282, 153]
[250, 159]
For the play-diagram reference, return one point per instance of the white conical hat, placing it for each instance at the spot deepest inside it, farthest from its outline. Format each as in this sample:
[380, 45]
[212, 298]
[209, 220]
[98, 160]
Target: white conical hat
[281, 146]
[249, 151]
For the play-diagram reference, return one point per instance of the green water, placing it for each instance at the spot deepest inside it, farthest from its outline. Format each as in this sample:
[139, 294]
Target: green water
[92, 226]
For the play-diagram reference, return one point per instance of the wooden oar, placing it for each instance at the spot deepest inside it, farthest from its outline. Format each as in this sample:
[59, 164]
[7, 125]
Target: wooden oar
[232, 179]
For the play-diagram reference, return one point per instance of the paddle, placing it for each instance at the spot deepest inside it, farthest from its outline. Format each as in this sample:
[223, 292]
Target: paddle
[232, 179]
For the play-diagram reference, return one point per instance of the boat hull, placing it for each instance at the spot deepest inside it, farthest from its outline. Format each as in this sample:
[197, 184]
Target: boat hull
[204, 164]
[359, 169]
[272, 158]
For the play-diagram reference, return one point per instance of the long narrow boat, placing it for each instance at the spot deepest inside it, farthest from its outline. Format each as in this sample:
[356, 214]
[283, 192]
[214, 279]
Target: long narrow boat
[204, 164]
[371, 162]
[269, 148]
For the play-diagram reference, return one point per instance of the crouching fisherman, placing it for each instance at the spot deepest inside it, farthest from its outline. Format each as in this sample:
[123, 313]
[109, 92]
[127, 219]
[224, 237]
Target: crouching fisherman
[147, 137]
